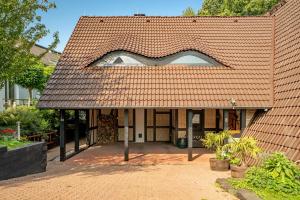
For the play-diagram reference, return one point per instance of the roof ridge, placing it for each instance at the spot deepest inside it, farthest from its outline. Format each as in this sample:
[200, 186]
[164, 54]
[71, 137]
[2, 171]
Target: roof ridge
[143, 17]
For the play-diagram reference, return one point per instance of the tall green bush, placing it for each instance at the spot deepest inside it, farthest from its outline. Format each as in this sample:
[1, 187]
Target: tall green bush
[33, 121]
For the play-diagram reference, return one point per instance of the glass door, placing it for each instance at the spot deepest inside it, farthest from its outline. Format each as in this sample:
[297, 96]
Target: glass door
[198, 127]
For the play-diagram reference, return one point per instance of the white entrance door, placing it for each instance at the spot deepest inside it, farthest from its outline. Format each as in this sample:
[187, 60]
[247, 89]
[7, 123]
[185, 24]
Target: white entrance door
[139, 123]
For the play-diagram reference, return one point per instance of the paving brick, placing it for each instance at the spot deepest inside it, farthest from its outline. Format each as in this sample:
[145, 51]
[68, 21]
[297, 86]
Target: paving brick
[133, 180]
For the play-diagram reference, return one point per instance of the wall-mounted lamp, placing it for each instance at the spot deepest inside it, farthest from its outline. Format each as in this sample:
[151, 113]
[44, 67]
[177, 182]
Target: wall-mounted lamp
[232, 102]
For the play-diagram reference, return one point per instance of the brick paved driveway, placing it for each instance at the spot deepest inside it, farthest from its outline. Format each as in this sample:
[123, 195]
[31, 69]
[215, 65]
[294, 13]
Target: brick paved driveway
[107, 177]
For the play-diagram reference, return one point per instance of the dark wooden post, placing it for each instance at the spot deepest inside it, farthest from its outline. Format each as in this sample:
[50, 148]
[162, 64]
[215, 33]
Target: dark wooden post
[62, 136]
[134, 125]
[217, 120]
[154, 125]
[243, 120]
[126, 151]
[145, 125]
[171, 125]
[225, 119]
[87, 128]
[176, 126]
[76, 131]
[190, 135]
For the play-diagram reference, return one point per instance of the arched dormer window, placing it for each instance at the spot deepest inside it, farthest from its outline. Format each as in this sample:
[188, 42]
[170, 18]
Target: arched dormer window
[123, 58]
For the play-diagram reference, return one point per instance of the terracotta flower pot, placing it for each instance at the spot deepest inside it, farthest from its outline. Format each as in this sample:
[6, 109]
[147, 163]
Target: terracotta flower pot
[218, 165]
[238, 171]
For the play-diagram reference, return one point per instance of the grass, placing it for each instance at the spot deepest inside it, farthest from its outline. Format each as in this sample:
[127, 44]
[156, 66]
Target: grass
[13, 143]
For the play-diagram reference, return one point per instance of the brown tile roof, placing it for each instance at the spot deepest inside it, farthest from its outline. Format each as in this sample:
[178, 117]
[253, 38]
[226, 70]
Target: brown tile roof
[279, 128]
[51, 58]
[242, 44]
[158, 86]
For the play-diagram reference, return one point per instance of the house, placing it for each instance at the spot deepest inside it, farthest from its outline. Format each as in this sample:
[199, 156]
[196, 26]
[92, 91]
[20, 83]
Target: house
[152, 79]
[13, 93]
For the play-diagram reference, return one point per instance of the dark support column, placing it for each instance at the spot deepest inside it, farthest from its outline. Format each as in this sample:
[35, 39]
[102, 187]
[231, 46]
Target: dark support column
[126, 151]
[145, 125]
[62, 136]
[134, 125]
[217, 120]
[243, 119]
[76, 131]
[225, 119]
[176, 125]
[171, 125]
[154, 125]
[87, 127]
[190, 135]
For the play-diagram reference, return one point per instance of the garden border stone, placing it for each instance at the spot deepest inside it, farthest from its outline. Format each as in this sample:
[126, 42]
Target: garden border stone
[29, 159]
[242, 194]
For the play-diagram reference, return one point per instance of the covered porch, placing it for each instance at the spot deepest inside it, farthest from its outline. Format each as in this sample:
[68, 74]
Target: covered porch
[133, 133]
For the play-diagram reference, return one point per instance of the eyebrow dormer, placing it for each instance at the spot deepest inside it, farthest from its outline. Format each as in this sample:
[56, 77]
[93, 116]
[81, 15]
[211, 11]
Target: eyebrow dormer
[124, 58]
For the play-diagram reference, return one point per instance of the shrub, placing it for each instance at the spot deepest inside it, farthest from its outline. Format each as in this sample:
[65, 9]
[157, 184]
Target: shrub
[33, 121]
[277, 177]
[240, 149]
[216, 141]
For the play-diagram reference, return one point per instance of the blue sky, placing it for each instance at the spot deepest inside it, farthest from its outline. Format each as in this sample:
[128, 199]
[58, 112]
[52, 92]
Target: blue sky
[65, 16]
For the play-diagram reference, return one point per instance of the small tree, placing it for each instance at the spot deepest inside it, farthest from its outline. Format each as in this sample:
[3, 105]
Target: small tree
[236, 7]
[189, 12]
[216, 141]
[242, 148]
[20, 29]
[32, 78]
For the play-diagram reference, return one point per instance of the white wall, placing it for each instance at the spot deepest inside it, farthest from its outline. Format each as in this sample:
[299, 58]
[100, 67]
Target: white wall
[139, 118]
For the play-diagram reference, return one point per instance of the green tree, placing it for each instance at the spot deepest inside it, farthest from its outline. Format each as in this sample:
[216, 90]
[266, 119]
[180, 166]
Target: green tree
[20, 29]
[189, 12]
[236, 7]
[35, 76]
[210, 7]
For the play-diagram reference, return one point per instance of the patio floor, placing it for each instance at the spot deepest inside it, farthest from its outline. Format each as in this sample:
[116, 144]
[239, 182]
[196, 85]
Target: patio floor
[155, 171]
[139, 153]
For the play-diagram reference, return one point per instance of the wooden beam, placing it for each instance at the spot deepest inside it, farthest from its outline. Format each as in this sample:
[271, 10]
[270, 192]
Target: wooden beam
[87, 128]
[134, 125]
[76, 131]
[116, 127]
[145, 125]
[243, 119]
[126, 150]
[225, 119]
[171, 125]
[154, 125]
[62, 140]
[176, 126]
[190, 135]
[217, 120]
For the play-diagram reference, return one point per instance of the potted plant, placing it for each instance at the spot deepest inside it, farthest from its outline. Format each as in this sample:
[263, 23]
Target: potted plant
[216, 141]
[182, 143]
[240, 149]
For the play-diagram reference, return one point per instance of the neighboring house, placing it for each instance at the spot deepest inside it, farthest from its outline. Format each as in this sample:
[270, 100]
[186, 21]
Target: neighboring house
[16, 93]
[154, 79]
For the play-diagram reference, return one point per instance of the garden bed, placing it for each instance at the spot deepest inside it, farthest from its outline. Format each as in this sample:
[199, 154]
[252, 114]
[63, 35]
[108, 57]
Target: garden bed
[13, 143]
[21, 161]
